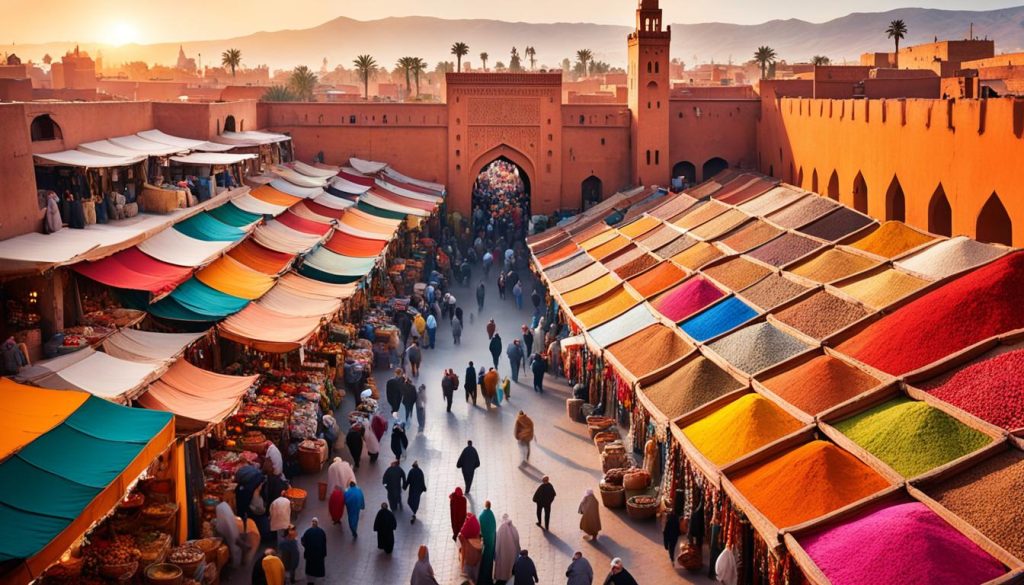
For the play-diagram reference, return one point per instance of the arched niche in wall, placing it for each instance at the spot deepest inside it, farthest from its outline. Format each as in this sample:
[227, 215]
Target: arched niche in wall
[860, 193]
[895, 201]
[994, 224]
[591, 191]
[814, 181]
[685, 169]
[44, 128]
[940, 213]
[833, 186]
[229, 124]
[712, 167]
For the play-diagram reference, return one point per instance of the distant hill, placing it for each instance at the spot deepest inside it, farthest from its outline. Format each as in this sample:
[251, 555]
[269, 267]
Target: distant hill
[341, 39]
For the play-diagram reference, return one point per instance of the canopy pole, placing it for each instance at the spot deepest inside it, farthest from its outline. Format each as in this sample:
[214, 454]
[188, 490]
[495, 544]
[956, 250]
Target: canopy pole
[180, 489]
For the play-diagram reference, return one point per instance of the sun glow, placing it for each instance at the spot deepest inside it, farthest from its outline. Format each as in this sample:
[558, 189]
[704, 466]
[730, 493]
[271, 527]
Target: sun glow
[122, 32]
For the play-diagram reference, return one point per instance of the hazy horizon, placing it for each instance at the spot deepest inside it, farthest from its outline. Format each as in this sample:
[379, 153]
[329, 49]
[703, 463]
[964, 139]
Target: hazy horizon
[118, 22]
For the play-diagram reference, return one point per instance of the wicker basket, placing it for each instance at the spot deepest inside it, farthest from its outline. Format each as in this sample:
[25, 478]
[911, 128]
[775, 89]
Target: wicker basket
[297, 497]
[574, 408]
[164, 574]
[641, 512]
[612, 496]
[116, 571]
[637, 479]
[310, 461]
[604, 437]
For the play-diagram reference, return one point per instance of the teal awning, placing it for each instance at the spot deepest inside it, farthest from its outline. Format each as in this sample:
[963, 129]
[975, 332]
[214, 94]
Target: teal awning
[199, 301]
[310, 272]
[204, 226]
[373, 210]
[232, 215]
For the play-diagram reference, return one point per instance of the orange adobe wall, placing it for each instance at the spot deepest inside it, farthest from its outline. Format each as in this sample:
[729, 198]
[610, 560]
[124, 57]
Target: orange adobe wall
[948, 166]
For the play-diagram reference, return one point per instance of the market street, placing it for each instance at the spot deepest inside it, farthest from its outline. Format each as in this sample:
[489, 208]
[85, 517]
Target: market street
[563, 451]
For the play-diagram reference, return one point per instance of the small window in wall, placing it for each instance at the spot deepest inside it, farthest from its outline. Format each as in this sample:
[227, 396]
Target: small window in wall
[458, 152]
[656, 67]
[241, 125]
[551, 137]
[458, 137]
[458, 168]
[551, 153]
[648, 157]
[352, 119]
[384, 118]
[44, 128]
[659, 104]
[649, 67]
[583, 119]
[602, 142]
[648, 105]
[657, 157]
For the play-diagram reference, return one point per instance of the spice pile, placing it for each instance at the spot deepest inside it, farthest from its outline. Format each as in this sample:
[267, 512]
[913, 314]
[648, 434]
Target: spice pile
[737, 273]
[891, 239]
[980, 496]
[785, 249]
[636, 266]
[950, 257]
[605, 307]
[773, 291]
[701, 214]
[821, 314]
[695, 383]
[911, 437]
[777, 198]
[676, 245]
[569, 267]
[720, 224]
[757, 347]
[590, 291]
[657, 238]
[687, 298]
[902, 543]
[802, 212]
[751, 236]
[883, 289]
[820, 384]
[806, 483]
[716, 320]
[974, 307]
[639, 227]
[836, 225]
[991, 389]
[744, 425]
[697, 255]
[832, 265]
[649, 349]
[657, 279]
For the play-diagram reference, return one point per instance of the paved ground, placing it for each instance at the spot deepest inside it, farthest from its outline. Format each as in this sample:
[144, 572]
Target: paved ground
[564, 452]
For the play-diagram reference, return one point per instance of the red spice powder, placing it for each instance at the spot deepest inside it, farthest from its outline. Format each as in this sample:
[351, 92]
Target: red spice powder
[972, 308]
[657, 279]
[820, 384]
[991, 389]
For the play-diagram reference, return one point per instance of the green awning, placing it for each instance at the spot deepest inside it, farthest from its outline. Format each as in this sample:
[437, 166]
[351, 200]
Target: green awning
[373, 210]
[204, 226]
[231, 215]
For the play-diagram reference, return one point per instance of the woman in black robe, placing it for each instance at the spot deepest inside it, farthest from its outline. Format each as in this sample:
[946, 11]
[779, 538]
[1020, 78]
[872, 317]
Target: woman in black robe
[384, 525]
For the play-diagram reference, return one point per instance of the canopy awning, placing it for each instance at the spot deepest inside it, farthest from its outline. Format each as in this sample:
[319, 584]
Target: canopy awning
[256, 137]
[268, 330]
[143, 146]
[231, 277]
[148, 346]
[354, 246]
[68, 460]
[311, 171]
[281, 238]
[101, 375]
[367, 167]
[174, 247]
[316, 209]
[107, 148]
[295, 190]
[332, 201]
[81, 158]
[437, 188]
[308, 286]
[195, 301]
[394, 189]
[162, 138]
[271, 195]
[196, 396]
[304, 224]
[133, 270]
[298, 178]
[393, 203]
[260, 258]
[347, 177]
[333, 263]
[233, 215]
[251, 204]
[289, 301]
[212, 158]
[204, 226]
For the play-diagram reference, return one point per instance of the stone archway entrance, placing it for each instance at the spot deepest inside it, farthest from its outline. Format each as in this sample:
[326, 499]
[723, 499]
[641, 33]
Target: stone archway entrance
[501, 192]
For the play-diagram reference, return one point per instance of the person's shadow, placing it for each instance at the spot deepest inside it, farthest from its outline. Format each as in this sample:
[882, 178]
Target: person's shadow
[530, 471]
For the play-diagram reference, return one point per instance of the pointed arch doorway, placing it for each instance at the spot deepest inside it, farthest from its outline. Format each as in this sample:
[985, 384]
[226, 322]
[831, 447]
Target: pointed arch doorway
[501, 189]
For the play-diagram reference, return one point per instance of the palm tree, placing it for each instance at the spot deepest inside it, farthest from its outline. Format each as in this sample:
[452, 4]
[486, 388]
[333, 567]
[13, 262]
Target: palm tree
[367, 68]
[764, 56]
[47, 59]
[405, 65]
[531, 54]
[231, 58]
[278, 93]
[514, 63]
[418, 66]
[584, 56]
[460, 50]
[897, 31]
[483, 59]
[303, 82]
[820, 60]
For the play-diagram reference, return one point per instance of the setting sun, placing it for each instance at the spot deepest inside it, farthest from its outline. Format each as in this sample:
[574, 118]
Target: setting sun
[122, 32]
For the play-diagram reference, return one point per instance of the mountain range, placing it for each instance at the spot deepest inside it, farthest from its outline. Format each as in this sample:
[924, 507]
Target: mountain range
[341, 39]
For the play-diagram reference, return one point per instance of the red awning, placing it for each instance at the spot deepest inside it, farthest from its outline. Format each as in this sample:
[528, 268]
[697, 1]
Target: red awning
[354, 246]
[131, 269]
[357, 179]
[323, 209]
[402, 199]
[300, 224]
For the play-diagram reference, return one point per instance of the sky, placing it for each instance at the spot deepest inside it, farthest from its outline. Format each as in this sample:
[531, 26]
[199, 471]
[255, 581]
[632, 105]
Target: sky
[118, 22]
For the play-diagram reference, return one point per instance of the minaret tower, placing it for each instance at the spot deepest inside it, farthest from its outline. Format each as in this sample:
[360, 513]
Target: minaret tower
[648, 96]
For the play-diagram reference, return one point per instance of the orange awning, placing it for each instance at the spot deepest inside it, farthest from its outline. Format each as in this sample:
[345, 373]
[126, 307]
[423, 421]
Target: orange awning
[268, 330]
[350, 245]
[268, 194]
[195, 393]
[31, 412]
[260, 258]
[231, 277]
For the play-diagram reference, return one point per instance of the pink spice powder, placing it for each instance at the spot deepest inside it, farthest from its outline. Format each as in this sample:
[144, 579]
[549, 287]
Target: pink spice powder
[688, 298]
[901, 544]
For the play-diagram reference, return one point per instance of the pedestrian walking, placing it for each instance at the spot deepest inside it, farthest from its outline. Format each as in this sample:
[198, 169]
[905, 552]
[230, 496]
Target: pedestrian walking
[536, 299]
[619, 575]
[394, 483]
[470, 383]
[469, 461]
[415, 485]
[491, 328]
[515, 358]
[524, 571]
[384, 525]
[590, 515]
[488, 260]
[355, 503]
[495, 347]
[517, 293]
[501, 286]
[448, 384]
[481, 291]
[527, 340]
[555, 357]
[431, 331]
[288, 549]
[450, 306]
[422, 572]
[524, 434]
[259, 574]
[419, 323]
[457, 506]
[488, 532]
[370, 440]
[670, 535]
[399, 440]
[314, 550]
[421, 407]
[354, 441]
[336, 505]
[273, 568]
[579, 572]
[393, 390]
[543, 497]
[457, 331]
[506, 550]
[538, 366]
[415, 358]
[339, 474]
[280, 516]
[408, 398]
[512, 278]
[489, 388]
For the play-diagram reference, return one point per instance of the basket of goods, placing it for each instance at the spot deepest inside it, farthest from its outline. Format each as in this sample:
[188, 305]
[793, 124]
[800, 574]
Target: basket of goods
[159, 515]
[604, 437]
[689, 557]
[254, 441]
[153, 546]
[164, 574]
[297, 497]
[642, 507]
[187, 557]
[612, 496]
[310, 460]
[118, 557]
[132, 503]
[209, 547]
[636, 479]
[596, 424]
[613, 456]
[573, 408]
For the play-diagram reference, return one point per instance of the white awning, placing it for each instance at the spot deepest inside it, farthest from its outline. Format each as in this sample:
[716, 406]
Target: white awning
[215, 147]
[211, 158]
[332, 201]
[81, 158]
[311, 171]
[346, 186]
[174, 247]
[147, 147]
[367, 167]
[107, 148]
[162, 138]
[295, 190]
[256, 137]
[436, 187]
[148, 346]
[376, 200]
[298, 178]
[435, 199]
[251, 204]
